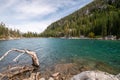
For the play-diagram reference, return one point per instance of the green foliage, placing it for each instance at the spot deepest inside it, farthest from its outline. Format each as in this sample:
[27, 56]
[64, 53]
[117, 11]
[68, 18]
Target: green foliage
[7, 33]
[91, 35]
[31, 34]
[102, 17]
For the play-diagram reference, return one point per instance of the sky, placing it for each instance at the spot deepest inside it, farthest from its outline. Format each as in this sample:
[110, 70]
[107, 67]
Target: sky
[36, 15]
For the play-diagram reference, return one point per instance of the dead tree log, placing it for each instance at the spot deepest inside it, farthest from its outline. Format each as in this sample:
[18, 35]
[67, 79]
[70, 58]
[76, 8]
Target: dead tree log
[32, 54]
[11, 72]
[16, 71]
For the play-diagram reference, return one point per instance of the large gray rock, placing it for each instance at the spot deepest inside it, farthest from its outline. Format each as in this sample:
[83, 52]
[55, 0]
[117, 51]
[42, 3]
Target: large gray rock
[94, 75]
[118, 76]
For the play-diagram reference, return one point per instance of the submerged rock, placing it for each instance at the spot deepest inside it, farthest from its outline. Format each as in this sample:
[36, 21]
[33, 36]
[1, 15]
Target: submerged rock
[94, 75]
[68, 68]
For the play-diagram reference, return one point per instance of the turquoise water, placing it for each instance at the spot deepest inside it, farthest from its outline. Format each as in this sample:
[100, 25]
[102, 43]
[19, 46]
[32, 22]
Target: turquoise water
[53, 51]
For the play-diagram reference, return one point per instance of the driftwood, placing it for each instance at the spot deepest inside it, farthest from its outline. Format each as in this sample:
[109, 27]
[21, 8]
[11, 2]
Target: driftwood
[30, 53]
[16, 71]
[20, 69]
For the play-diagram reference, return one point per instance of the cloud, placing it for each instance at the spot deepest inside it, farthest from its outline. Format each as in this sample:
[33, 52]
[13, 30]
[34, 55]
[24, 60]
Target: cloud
[36, 15]
[37, 8]
[32, 27]
[5, 4]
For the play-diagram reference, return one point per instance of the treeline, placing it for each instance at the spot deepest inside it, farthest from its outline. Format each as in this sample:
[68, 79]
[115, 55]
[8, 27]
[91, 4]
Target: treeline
[99, 18]
[30, 34]
[8, 33]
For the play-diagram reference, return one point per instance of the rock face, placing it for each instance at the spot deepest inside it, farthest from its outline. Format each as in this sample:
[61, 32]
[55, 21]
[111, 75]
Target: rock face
[94, 75]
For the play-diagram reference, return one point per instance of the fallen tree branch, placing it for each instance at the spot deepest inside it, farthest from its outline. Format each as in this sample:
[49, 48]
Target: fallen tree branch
[32, 54]
[5, 55]
[18, 69]
[15, 71]
[15, 59]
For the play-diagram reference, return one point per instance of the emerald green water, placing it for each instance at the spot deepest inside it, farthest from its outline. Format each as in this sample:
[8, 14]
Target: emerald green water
[53, 51]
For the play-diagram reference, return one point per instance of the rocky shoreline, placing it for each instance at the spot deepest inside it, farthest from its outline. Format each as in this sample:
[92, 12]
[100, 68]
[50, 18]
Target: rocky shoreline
[67, 71]
[86, 75]
[11, 38]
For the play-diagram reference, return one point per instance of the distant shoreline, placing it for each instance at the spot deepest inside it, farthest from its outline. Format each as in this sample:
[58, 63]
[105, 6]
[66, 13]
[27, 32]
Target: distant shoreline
[88, 38]
[11, 38]
[15, 38]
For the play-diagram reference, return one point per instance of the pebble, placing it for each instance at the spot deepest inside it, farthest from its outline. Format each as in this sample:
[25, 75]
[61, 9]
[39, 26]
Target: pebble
[50, 78]
[55, 74]
[42, 79]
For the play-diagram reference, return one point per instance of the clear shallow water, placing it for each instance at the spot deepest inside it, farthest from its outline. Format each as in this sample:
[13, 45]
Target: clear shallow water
[53, 51]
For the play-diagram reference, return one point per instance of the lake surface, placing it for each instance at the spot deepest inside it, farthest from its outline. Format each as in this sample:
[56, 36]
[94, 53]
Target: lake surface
[53, 51]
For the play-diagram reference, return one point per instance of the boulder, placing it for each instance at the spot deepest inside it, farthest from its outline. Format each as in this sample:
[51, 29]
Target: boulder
[94, 75]
[118, 76]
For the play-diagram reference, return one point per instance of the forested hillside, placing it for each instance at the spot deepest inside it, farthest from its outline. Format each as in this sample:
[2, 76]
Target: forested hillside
[99, 18]
[6, 33]
[31, 34]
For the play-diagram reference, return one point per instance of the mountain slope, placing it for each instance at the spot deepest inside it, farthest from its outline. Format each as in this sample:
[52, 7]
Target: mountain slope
[99, 18]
